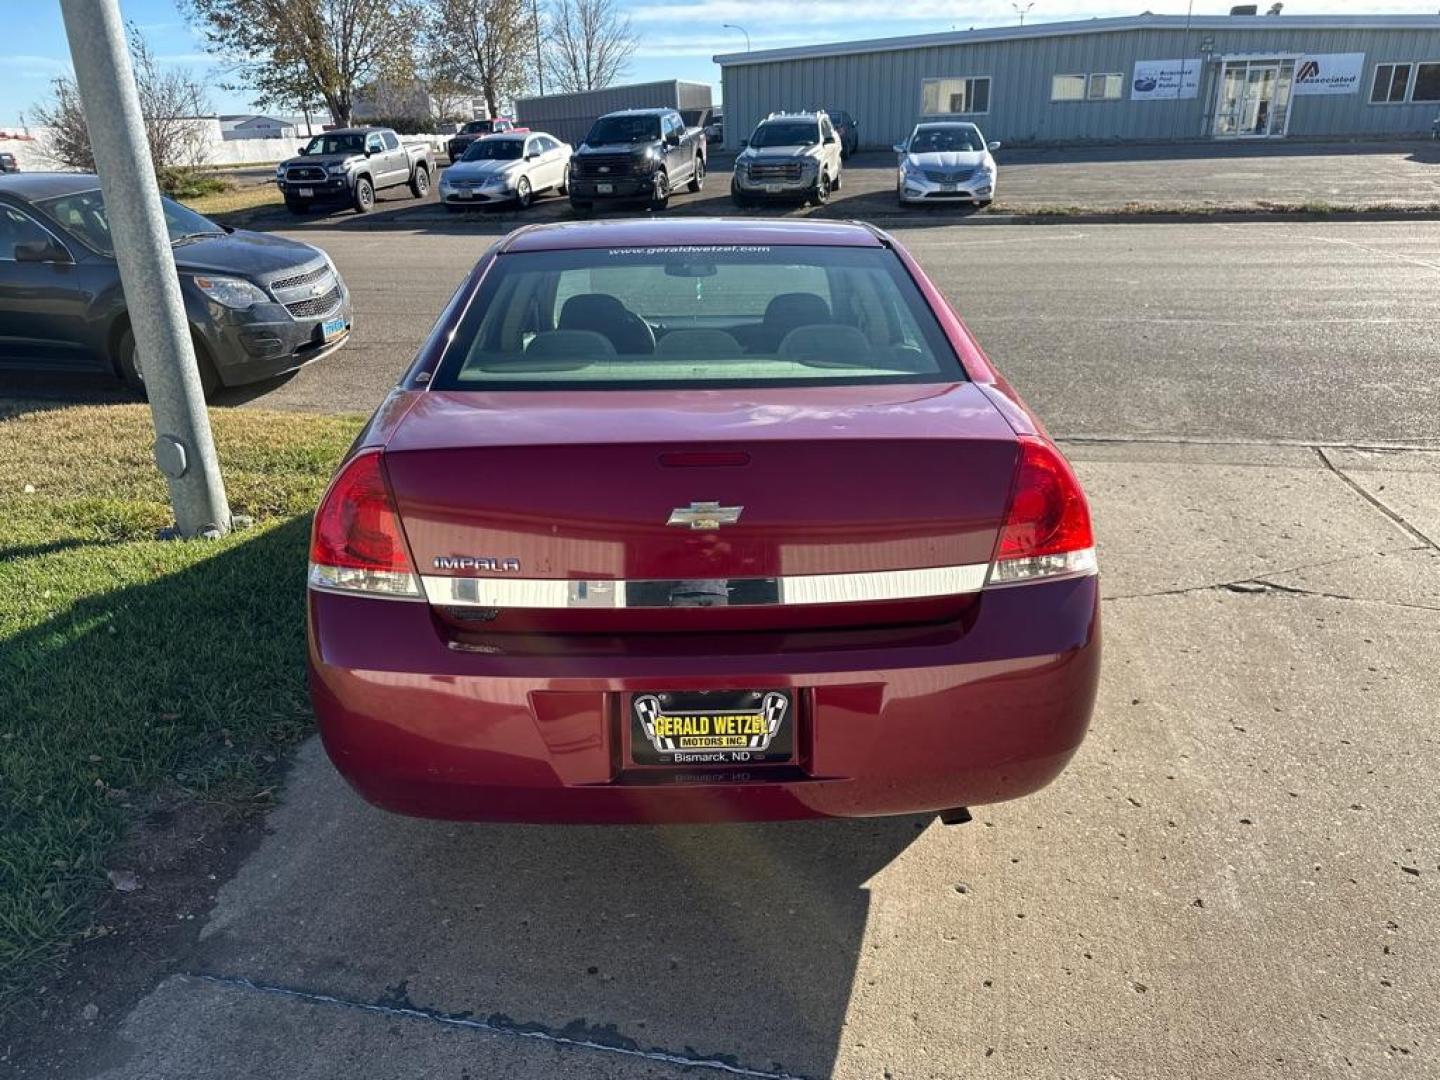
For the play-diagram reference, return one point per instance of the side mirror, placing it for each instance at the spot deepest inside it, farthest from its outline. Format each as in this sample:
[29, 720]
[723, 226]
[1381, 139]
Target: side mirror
[744, 143]
[304, 150]
[41, 251]
[370, 151]
[830, 140]
[531, 156]
[899, 148]
[672, 139]
[993, 145]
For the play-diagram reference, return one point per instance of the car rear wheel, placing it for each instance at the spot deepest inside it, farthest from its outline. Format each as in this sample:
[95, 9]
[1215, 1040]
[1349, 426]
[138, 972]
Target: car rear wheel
[420, 182]
[564, 185]
[697, 178]
[523, 193]
[660, 197]
[127, 359]
[364, 196]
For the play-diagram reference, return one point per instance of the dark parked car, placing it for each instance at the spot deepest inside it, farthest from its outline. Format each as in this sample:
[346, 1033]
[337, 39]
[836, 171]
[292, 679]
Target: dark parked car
[848, 128]
[8, 163]
[349, 165]
[635, 155]
[259, 305]
[678, 520]
[477, 129]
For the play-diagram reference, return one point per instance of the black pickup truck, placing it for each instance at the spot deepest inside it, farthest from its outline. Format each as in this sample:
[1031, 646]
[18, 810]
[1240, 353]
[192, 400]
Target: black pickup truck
[636, 155]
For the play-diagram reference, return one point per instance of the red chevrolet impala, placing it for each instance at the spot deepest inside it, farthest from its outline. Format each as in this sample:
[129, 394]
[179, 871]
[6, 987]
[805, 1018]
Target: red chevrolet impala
[701, 520]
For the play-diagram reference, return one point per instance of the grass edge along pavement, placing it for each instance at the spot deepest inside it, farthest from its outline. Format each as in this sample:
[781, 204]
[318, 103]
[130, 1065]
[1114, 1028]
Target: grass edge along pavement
[131, 665]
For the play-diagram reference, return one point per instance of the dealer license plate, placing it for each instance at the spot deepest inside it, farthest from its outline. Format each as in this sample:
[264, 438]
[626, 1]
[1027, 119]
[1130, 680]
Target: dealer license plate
[307, 192]
[605, 189]
[332, 328]
[714, 727]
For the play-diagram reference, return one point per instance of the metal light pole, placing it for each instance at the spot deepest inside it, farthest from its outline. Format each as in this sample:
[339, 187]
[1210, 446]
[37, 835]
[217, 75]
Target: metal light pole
[1022, 10]
[732, 26]
[184, 449]
[539, 59]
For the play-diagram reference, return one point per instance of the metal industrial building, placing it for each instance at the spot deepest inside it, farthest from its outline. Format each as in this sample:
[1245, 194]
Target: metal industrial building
[1141, 78]
[569, 116]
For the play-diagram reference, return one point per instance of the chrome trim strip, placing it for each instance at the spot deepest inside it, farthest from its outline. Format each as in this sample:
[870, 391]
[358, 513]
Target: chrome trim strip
[877, 585]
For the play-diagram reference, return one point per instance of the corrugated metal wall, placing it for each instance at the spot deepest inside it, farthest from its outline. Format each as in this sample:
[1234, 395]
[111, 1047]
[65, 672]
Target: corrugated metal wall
[882, 89]
[569, 116]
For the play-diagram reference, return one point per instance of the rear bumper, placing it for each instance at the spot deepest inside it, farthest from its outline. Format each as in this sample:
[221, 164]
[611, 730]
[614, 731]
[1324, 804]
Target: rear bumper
[989, 714]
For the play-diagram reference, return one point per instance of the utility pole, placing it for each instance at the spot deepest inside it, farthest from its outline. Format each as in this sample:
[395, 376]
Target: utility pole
[539, 58]
[184, 449]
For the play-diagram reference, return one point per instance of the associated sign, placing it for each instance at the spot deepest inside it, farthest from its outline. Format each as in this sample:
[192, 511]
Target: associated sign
[1329, 73]
[1165, 80]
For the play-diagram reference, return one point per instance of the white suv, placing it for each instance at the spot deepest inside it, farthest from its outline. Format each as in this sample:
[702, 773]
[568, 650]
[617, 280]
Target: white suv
[788, 155]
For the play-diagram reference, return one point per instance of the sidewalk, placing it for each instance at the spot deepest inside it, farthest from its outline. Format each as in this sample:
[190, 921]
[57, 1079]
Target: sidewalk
[1241, 818]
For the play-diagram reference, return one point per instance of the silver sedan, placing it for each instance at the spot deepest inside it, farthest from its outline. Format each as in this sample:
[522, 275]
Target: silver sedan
[512, 167]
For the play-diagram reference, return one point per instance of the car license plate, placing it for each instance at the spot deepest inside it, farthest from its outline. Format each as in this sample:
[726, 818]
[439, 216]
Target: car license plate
[307, 192]
[950, 186]
[712, 727]
[332, 328]
[464, 193]
[773, 189]
[604, 189]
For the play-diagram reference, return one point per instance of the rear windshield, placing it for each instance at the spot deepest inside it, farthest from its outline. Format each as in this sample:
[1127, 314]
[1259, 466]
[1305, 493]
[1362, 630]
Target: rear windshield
[624, 129]
[696, 316]
[494, 150]
[477, 126]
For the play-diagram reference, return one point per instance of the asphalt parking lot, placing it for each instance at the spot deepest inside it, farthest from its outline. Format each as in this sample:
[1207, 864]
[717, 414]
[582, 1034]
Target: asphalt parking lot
[1238, 876]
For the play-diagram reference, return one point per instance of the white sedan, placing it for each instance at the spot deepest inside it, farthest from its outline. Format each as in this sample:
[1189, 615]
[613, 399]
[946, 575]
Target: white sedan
[512, 167]
[946, 161]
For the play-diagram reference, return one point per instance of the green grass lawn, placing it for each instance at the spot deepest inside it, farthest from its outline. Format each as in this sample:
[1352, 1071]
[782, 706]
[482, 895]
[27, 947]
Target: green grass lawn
[130, 665]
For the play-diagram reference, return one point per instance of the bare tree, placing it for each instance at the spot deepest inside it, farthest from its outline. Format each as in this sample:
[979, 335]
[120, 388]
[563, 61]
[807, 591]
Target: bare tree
[304, 50]
[485, 44]
[172, 102]
[588, 44]
[449, 98]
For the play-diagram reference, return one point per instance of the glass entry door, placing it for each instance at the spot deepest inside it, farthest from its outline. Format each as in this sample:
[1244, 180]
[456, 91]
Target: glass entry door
[1253, 100]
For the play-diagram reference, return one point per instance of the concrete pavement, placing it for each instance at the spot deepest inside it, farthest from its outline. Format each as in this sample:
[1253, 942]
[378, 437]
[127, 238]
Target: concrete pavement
[1238, 876]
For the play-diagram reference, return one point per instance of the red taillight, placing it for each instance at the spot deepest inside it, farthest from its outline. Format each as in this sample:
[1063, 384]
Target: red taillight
[357, 543]
[1047, 526]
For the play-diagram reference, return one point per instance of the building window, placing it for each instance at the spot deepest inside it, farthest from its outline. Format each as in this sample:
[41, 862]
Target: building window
[1427, 83]
[939, 97]
[1067, 88]
[1391, 83]
[1106, 87]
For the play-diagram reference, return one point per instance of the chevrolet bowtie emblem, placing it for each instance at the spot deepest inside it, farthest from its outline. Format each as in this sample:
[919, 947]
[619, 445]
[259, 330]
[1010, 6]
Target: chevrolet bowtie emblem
[704, 515]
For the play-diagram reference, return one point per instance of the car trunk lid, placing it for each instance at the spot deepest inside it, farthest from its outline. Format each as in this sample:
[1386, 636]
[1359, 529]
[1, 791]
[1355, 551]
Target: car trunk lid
[568, 492]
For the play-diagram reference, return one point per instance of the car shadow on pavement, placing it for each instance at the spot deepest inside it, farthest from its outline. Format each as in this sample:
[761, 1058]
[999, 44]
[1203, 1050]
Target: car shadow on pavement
[729, 943]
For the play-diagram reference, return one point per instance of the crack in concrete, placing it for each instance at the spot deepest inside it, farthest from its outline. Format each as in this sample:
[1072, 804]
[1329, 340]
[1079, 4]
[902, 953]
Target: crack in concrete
[1236, 584]
[601, 1039]
[1393, 515]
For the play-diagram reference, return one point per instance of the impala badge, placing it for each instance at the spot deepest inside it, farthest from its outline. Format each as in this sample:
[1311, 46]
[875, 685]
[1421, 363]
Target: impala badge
[704, 515]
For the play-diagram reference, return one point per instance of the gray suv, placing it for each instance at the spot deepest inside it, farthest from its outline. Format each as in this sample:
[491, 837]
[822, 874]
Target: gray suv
[789, 156]
[258, 304]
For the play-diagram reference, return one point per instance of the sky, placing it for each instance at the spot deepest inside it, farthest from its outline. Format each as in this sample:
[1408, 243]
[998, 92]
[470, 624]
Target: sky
[677, 37]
